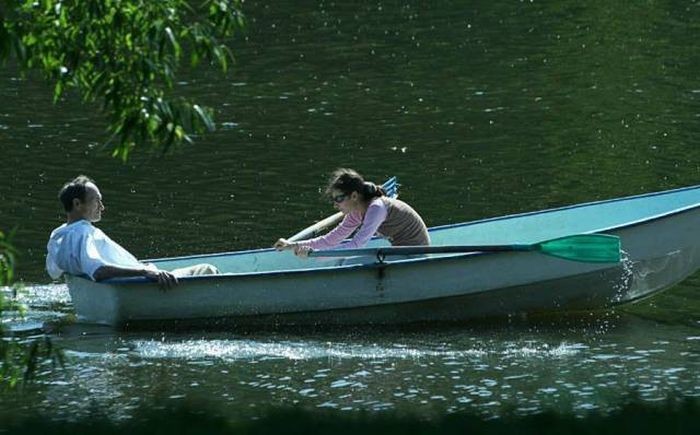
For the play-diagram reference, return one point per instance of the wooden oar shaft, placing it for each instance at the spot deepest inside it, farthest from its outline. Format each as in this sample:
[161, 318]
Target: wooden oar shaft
[316, 228]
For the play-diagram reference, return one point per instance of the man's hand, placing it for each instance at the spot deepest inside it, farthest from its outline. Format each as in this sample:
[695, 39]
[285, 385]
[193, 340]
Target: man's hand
[166, 280]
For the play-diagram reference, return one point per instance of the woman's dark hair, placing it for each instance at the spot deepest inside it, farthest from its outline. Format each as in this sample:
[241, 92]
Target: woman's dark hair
[72, 190]
[348, 181]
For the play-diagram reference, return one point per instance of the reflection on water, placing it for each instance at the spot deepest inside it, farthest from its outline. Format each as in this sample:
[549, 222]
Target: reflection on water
[447, 370]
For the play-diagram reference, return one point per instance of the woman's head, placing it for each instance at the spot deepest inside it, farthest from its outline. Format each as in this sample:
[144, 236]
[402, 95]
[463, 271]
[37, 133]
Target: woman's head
[346, 186]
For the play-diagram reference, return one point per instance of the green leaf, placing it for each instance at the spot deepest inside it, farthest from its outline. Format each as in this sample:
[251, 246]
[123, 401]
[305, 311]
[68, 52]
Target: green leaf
[173, 42]
[204, 117]
[58, 90]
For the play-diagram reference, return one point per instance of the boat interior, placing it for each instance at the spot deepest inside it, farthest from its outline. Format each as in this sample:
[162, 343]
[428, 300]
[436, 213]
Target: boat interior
[534, 227]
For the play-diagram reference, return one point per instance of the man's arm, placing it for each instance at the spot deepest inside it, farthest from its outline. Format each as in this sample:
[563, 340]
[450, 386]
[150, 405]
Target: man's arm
[165, 279]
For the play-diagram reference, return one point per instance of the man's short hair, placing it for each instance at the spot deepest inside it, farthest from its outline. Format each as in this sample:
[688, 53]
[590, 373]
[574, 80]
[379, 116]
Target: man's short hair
[72, 190]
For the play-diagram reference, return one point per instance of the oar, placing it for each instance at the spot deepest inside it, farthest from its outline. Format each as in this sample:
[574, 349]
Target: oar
[590, 248]
[390, 186]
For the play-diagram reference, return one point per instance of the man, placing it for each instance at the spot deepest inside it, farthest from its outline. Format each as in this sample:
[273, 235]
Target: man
[79, 248]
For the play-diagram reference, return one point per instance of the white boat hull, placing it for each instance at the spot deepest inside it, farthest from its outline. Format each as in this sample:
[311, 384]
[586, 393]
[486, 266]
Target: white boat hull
[661, 250]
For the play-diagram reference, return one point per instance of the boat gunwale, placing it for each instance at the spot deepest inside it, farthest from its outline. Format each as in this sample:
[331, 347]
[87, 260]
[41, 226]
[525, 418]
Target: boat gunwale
[438, 257]
[275, 273]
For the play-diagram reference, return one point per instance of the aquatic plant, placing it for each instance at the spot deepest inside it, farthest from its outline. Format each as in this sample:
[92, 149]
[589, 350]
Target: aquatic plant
[7, 259]
[19, 356]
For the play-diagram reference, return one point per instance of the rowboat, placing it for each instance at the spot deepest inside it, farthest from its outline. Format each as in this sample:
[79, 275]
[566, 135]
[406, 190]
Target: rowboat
[658, 233]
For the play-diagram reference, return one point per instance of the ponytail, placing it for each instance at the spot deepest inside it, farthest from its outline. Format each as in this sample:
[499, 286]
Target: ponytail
[371, 190]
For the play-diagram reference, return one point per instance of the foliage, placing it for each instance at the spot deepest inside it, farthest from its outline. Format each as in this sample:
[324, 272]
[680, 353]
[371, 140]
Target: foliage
[7, 259]
[125, 53]
[19, 357]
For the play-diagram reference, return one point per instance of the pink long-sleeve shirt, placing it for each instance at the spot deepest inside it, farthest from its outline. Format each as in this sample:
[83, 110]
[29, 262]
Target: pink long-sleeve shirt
[393, 218]
[374, 216]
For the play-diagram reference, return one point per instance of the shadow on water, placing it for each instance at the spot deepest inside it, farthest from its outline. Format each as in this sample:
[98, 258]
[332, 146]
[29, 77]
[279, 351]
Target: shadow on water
[553, 321]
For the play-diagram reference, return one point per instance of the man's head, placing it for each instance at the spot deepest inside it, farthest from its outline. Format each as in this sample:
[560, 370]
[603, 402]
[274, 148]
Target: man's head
[82, 199]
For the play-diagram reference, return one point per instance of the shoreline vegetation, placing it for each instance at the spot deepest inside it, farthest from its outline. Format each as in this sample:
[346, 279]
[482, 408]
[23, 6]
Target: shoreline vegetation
[670, 417]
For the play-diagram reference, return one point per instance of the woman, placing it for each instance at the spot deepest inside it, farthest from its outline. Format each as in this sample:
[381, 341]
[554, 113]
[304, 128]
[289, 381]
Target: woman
[368, 211]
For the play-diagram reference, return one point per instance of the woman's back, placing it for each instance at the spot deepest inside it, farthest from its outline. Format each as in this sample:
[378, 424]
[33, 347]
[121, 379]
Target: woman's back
[403, 226]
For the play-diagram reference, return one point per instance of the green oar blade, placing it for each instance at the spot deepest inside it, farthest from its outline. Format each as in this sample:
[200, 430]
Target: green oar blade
[592, 248]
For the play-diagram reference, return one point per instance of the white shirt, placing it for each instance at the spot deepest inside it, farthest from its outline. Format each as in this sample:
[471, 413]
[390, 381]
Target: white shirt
[80, 248]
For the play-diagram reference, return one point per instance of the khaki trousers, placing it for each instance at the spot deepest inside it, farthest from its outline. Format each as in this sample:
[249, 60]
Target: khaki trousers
[196, 270]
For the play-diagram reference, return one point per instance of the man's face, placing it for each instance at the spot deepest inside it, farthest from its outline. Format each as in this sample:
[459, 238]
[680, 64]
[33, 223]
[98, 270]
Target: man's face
[91, 209]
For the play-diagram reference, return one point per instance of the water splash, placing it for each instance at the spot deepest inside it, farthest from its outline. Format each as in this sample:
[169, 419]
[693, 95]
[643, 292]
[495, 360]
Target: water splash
[290, 350]
[624, 283]
[250, 349]
[543, 350]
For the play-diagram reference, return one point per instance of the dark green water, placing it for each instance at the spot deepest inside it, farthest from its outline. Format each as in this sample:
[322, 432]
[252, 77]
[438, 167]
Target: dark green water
[480, 109]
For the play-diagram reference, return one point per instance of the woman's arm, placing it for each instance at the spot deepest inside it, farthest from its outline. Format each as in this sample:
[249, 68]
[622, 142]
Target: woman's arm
[376, 214]
[334, 237]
